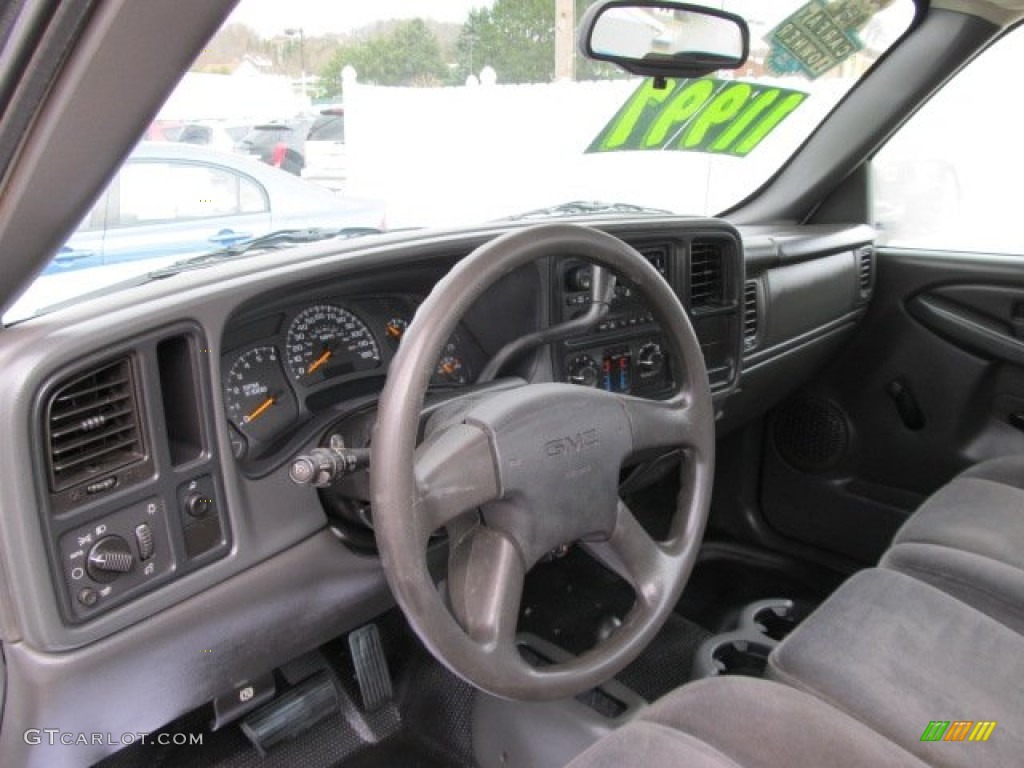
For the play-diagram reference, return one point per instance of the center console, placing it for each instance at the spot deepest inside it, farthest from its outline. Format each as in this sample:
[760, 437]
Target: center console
[625, 353]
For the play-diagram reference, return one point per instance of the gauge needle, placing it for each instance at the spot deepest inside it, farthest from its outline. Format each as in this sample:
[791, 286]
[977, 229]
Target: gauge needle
[260, 410]
[319, 362]
[448, 368]
[394, 331]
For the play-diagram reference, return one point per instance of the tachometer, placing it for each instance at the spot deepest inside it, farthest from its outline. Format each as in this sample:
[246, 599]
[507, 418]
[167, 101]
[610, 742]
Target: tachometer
[257, 397]
[326, 341]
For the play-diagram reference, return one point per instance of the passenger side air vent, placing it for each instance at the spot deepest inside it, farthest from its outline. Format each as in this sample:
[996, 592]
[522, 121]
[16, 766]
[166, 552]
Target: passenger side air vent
[751, 318]
[707, 274]
[92, 425]
[865, 269]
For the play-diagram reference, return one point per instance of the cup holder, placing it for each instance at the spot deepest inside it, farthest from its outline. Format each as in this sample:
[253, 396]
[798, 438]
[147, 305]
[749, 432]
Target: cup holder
[734, 653]
[775, 618]
[745, 650]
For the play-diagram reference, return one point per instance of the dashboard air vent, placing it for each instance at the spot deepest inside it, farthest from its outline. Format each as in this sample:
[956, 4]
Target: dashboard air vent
[707, 274]
[93, 425]
[865, 269]
[751, 318]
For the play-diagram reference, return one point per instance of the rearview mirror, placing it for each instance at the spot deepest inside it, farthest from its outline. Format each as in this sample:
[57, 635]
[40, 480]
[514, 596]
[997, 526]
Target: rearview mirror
[663, 39]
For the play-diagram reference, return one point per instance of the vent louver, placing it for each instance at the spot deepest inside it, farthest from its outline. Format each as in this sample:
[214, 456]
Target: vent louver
[707, 274]
[93, 425]
[751, 319]
[865, 269]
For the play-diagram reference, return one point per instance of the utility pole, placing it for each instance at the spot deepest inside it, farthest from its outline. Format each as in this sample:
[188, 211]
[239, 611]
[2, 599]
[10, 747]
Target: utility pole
[565, 39]
[302, 54]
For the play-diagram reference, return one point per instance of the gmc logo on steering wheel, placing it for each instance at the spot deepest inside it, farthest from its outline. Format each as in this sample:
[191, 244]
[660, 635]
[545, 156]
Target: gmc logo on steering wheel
[569, 445]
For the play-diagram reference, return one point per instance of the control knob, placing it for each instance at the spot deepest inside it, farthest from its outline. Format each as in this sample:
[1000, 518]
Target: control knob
[109, 558]
[583, 371]
[651, 359]
[198, 505]
[579, 278]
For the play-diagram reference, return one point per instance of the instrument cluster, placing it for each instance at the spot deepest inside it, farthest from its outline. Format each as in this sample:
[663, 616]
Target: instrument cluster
[289, 364]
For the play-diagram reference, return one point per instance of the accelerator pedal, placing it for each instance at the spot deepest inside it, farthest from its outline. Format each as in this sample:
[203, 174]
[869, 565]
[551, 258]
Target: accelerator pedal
[371, 667]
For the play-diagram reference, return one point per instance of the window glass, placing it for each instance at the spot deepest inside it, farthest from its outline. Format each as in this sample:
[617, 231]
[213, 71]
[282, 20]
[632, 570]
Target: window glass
[950, 178]
[251, 197]
[164, 192]
[328, 128]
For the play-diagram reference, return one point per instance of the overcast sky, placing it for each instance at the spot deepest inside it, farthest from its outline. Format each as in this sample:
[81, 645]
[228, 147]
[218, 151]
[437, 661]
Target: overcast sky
[317, 17]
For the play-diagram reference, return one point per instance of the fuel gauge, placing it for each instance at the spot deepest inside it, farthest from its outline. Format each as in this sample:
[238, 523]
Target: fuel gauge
[451, 371]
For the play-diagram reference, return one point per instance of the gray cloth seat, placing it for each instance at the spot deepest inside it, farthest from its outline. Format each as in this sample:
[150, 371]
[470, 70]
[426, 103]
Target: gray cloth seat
[967, 539]
[896, 653]
[733, 722]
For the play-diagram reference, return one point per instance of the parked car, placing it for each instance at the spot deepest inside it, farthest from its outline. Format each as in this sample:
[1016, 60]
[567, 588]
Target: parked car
[222, 136]
[172, 199]
[163, 130]
[282, 145]
[326, 157]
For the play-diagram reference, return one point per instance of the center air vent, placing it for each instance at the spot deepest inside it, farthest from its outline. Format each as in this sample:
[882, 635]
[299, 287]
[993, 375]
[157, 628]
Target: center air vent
[865, 269]
[707, 274]
[93, 425]
[751, 318]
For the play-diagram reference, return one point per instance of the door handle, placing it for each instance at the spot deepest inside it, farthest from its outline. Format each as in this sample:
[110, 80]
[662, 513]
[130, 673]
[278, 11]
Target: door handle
[970, 329]
[68, 255]
[229, 237]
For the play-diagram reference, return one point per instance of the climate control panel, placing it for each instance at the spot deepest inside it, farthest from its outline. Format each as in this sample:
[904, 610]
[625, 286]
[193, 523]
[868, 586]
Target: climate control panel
[635, 366]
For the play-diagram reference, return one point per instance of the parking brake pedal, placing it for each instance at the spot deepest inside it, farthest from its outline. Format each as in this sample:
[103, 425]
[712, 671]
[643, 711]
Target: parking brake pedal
[293, 713]
[371, 667]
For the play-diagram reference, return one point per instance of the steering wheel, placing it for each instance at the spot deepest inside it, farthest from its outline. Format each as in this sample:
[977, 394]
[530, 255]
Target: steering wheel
[524, 470]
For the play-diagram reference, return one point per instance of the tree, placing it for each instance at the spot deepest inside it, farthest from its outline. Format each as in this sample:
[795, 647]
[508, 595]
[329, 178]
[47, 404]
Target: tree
[517, 39]
[406, 55]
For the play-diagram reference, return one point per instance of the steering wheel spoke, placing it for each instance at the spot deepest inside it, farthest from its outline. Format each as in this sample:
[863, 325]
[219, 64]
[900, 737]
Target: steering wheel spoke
[631, 553]
[455, 473]
[485, 585]
[663, 424]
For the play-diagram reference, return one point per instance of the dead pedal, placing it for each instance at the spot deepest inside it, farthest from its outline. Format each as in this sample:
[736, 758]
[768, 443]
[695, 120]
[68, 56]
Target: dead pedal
[371, 665]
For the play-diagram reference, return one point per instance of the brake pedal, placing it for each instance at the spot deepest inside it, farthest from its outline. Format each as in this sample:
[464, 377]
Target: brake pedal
[371, 665]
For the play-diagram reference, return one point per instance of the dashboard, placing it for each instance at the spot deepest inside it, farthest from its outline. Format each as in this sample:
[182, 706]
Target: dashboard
[160, 513]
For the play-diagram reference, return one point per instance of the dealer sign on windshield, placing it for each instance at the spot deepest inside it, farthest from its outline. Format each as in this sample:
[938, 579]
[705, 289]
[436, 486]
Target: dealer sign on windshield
[704, 115]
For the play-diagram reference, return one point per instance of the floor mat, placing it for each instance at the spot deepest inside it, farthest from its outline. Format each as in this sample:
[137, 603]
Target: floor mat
[399, 751]
[667, 662]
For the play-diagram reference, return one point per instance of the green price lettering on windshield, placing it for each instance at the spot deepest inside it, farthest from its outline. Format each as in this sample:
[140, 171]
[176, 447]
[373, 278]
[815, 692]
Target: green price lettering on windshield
[722, 117]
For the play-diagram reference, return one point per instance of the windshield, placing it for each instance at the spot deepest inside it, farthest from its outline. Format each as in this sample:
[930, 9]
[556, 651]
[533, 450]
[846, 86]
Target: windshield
[400, 114]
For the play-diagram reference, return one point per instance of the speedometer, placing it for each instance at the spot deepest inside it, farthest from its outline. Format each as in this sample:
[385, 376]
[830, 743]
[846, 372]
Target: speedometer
[325, 341]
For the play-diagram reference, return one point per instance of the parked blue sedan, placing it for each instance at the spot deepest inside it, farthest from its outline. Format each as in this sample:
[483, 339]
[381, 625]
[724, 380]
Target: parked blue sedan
[176, 200]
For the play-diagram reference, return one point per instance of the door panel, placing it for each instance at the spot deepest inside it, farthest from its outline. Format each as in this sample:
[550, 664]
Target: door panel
[932, 382]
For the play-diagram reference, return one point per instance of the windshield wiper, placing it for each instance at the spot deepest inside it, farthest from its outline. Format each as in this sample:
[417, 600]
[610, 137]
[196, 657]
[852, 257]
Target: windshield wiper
[586, 208]
[268, 242]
